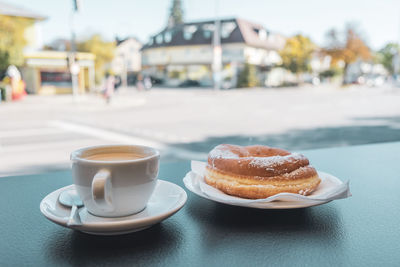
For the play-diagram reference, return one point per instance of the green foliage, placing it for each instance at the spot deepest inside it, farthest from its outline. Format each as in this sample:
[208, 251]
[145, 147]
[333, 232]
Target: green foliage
[4, 62]
[176, 13]
[103, 50]
[12, 40]
[248, 76]
[386, 54]
[296, 54]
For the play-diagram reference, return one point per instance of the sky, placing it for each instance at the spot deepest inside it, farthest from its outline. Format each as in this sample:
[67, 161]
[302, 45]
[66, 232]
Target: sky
[379, 20]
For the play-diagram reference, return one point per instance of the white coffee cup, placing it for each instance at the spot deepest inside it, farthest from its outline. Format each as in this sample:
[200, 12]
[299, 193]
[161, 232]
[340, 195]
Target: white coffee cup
[115, 180]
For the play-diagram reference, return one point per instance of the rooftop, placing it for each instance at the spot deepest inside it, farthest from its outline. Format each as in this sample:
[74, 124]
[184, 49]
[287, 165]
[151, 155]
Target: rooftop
[16, 11]
[233, 30]
[119, 41]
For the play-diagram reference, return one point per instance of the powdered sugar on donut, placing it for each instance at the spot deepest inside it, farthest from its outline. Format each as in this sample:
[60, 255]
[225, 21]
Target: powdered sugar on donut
[222, 152]
[274, 161]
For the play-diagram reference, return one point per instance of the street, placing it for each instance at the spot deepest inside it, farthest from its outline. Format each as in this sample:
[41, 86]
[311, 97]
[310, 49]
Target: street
[39, 132]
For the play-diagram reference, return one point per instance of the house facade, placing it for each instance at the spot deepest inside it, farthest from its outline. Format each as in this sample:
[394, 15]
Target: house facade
[128, 58]
[48, 72]
[185, 52]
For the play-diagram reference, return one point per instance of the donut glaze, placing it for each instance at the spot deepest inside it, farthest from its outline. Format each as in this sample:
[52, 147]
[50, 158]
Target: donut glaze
[259, 171]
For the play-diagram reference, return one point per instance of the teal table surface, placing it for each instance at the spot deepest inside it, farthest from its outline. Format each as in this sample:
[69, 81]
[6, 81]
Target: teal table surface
[363, 230]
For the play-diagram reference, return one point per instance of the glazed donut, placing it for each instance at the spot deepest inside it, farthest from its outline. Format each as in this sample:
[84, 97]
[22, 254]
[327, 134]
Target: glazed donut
[259, 171]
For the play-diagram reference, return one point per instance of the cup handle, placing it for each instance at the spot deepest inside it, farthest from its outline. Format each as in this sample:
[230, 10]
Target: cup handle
[101, 190]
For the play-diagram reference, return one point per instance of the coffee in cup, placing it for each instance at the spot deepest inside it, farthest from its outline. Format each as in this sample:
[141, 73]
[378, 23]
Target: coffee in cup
[115, 180]
[117, 156]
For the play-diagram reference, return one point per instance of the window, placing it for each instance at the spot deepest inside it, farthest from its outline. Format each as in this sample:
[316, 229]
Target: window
[167, 36]
[188, 31]
[227, 28]
[56, 78]
[208, 30]
[262, 34]
[159, 39]
[207, 34]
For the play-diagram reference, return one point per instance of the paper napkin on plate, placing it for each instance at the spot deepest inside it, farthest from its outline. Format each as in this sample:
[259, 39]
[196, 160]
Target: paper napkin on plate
[330, 188]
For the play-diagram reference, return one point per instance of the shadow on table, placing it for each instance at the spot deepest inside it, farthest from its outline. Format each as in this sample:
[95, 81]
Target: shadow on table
[310, 225]
[78, 248]
[318, 220]
[273, 235]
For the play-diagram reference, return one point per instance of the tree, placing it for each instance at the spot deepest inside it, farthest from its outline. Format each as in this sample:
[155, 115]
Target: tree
[346, 47]
[386, 55]
[4, 63]
[248, 76]
[176, 14]
[12, 40]
[103, 50]
[296, 54]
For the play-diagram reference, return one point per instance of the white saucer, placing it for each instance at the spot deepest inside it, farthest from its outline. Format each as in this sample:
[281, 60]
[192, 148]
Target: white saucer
[330, 188]
[167, 199]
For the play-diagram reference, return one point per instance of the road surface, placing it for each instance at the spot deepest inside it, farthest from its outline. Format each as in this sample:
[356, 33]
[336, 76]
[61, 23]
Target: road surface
[39, 132]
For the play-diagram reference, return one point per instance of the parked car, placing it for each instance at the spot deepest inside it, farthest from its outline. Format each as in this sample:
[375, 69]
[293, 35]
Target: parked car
[190, 83]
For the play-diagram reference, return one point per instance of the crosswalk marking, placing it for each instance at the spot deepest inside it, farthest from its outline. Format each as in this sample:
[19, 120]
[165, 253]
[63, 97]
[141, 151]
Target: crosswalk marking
[29, 132]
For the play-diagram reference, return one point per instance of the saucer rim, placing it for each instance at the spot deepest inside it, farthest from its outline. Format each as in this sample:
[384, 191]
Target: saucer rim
[125, 223]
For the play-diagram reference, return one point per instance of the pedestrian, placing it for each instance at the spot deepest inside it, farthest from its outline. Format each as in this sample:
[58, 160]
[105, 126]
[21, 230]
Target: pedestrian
[147, 83]
[139, 82]
[16, 83]
[109, 87]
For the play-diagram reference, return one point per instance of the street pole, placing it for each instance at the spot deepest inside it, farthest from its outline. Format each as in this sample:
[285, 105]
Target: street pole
[73, 64]
[125, 73]
[396, 60]
[217, 51]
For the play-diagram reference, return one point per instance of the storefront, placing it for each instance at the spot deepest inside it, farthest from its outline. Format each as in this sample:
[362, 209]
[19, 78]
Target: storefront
[48, 72]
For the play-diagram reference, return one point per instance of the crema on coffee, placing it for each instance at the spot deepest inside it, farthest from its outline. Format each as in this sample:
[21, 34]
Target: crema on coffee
[114, 156]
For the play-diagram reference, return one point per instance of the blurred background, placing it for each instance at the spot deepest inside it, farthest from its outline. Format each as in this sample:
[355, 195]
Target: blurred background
[186, 75]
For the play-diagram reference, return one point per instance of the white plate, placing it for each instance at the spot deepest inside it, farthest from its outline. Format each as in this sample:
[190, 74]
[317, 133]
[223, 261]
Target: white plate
[330, 188]
[167, 199]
